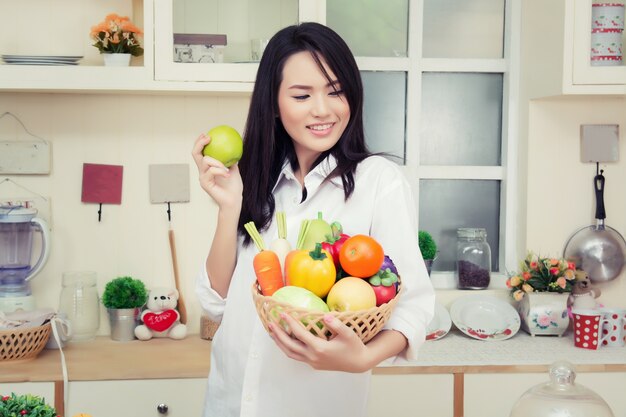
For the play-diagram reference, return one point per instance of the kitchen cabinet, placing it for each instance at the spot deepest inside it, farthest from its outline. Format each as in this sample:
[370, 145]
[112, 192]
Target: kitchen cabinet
[44, 390]
[411, 395]
[132, 398]
[487, 395]
[556, 40]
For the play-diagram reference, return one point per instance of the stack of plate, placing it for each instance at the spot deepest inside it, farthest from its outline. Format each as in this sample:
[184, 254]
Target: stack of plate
[40, 60]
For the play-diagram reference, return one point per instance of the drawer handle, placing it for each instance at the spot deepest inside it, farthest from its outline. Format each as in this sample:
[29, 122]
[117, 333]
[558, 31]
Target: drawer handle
[162, 408]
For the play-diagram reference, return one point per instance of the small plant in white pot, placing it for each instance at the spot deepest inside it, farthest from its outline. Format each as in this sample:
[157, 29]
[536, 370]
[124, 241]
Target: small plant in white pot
[123, 298]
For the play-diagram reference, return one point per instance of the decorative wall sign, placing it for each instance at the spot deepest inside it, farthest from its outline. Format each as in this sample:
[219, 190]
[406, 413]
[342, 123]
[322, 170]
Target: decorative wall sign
[169, 183]
[23, 156]
[102, 184]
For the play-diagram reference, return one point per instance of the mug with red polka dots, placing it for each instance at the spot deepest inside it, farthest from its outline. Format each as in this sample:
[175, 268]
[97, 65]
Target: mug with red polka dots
[588, 328]
[614, 328]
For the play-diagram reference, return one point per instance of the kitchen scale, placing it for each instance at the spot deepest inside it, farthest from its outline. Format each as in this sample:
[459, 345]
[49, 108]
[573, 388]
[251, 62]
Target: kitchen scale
[18, 225]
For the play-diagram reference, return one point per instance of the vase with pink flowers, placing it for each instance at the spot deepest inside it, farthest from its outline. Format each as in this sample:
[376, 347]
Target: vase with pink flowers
[541, 289]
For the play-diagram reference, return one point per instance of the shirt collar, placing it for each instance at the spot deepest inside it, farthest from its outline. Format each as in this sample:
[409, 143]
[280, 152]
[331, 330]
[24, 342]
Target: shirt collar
[316, 176]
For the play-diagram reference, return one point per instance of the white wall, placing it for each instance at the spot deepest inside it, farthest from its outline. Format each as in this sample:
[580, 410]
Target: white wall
[138, 130]
[560, 189]
[133, 131]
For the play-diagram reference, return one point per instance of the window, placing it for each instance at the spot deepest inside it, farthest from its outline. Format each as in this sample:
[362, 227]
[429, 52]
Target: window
[440, 89]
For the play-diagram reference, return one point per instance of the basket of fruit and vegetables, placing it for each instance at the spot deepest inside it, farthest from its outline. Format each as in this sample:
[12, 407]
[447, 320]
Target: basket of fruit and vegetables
[329, 272]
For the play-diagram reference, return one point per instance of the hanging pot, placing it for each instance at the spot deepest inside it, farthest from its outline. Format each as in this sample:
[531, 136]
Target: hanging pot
[599, 250]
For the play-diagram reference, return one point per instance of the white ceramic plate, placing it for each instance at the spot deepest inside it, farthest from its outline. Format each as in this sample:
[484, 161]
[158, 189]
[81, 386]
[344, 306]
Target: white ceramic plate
[484, 317]
[440, 324]
[43, 57]
[40, 63]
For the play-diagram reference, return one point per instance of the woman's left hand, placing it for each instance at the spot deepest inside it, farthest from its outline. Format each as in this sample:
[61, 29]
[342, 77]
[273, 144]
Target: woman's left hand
[343, 352]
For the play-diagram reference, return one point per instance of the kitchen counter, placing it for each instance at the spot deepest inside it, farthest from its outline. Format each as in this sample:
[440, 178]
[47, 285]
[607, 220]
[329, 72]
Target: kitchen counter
[455, 355]
[105, 359]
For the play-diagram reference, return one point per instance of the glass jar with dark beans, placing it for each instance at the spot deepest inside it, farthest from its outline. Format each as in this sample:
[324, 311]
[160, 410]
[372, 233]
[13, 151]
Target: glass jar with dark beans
[473, 259]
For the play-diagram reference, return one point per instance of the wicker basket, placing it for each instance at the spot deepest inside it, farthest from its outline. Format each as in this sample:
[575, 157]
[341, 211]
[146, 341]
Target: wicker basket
[23, 343]
[365, 323]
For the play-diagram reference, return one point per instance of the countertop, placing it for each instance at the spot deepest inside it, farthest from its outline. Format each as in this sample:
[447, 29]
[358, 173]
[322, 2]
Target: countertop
[105, 359]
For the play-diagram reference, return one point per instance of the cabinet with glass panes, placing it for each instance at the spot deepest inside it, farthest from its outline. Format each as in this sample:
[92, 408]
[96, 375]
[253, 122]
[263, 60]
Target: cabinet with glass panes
[557, 53]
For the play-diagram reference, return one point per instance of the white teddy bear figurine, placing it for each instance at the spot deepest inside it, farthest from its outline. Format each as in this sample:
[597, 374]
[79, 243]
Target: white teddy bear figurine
[161, 319]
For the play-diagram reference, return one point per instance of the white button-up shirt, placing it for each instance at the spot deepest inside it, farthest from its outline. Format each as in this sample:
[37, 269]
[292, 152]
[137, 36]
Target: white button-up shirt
[250, 375]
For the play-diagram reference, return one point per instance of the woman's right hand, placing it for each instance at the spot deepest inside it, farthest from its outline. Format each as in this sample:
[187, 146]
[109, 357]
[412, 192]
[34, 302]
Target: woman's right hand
[222, 184]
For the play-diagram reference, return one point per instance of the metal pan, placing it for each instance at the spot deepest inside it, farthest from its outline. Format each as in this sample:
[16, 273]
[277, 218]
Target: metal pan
[599, 250]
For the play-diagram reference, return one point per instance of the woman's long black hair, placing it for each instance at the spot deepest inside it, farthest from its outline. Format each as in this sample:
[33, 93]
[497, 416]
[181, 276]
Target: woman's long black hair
[266, 143]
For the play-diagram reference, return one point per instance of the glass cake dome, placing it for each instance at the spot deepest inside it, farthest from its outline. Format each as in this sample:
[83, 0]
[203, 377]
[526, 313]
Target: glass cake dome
[561, 397]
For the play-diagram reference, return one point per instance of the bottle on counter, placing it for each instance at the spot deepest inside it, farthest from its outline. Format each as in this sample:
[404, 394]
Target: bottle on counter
[80, 303]
[473, 259]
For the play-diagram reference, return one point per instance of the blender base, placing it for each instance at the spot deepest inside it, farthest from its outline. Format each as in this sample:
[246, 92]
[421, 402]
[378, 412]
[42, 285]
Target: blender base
[17, 303]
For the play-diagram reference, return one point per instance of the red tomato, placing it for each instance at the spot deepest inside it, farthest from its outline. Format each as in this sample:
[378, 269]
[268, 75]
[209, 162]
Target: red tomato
[361, 256]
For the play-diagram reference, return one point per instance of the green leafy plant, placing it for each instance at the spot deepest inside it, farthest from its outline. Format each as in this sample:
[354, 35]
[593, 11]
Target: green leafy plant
[25, 405]
[124, 292]
[427, 244]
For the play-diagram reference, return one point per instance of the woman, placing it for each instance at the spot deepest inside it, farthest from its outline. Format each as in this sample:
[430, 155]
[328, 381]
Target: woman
[304, 152]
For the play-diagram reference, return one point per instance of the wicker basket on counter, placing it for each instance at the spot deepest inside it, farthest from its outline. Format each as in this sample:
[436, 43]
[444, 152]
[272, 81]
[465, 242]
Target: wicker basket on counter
[23, 343]
[365, 323]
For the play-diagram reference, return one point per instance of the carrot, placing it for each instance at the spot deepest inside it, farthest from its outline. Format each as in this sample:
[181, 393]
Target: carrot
[266, 264]
[268, 271]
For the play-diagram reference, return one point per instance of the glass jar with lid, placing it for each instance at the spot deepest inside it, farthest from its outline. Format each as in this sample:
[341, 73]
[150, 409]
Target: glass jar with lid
[473, 259]
[561, 396]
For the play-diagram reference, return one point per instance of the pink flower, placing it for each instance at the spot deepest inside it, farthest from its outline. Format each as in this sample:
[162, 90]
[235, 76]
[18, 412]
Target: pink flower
[571, 265]
[526, 276]
[554, 271]
[533, 265]
[561, 282]
[543, 320]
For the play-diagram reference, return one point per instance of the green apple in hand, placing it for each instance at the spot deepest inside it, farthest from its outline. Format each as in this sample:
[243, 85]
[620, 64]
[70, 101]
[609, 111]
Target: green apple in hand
[226, 145]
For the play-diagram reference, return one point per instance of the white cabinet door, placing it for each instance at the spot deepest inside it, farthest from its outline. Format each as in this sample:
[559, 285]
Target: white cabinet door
[493, 395]
[44, 390]
[583, 72]
[137, 398]
[556, 51]
[411, 395]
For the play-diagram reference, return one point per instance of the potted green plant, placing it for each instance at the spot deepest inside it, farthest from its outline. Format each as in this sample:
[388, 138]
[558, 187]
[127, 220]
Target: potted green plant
[25, 405]
[123, 298]
[428, 247]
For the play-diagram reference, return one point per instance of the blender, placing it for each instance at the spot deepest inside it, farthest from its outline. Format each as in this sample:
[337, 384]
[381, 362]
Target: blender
[18, 224]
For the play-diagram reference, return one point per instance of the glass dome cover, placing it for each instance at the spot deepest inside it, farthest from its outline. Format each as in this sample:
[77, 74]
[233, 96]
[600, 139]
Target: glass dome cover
[561, 397]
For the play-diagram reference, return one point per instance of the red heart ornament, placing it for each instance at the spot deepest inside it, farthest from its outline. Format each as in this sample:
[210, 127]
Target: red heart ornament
[160, 321]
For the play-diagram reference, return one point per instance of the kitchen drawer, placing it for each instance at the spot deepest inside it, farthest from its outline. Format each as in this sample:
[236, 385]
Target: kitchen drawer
[133, 398]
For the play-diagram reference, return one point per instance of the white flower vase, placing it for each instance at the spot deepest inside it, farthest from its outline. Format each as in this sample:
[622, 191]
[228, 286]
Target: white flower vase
[544, 313]
[116, 60]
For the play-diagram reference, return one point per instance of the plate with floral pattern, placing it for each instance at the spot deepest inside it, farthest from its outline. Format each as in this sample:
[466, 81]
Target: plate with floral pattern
[440, 324]
[484, 317]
